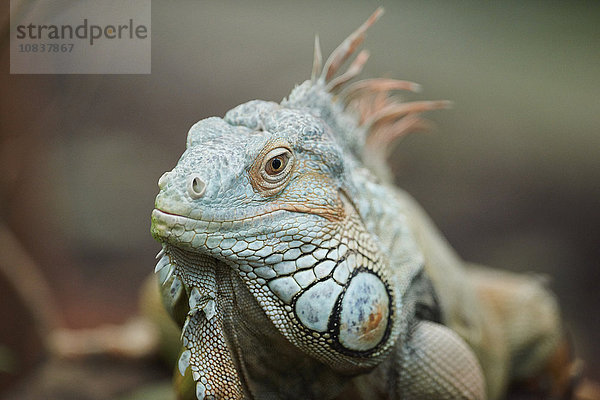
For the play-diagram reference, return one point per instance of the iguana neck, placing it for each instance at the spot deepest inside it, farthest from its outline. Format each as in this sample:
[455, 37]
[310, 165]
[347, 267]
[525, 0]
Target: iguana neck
[252, 336]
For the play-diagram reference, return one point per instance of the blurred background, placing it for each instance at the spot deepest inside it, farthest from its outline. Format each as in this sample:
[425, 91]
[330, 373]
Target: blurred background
[511, 175]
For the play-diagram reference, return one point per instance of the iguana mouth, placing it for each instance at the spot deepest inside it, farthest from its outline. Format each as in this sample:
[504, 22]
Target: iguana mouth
[193, 234]
[157, 212]
[216, 237]
[239, 214]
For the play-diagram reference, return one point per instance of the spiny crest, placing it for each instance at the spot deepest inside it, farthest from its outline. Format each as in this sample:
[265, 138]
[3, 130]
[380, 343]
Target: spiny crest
[363, 114]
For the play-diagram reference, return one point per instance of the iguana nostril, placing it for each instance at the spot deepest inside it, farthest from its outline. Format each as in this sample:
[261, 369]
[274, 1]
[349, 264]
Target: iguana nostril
[196, 187]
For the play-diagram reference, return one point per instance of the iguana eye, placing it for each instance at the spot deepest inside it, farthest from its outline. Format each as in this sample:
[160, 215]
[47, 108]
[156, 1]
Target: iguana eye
[272, 169]
[277, 160]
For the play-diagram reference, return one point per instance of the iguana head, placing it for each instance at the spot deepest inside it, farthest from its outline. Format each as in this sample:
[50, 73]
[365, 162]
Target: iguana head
[269, 190]
[248, 175]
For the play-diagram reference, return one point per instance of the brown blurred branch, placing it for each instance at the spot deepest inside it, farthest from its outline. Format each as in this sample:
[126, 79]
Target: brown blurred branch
[137, 338]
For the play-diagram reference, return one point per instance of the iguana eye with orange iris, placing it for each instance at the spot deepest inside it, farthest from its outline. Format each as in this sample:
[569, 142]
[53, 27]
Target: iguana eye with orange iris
[277, 164]
[272, 169]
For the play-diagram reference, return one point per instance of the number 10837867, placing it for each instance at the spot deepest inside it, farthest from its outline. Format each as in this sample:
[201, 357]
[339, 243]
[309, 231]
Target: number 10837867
[46, 47]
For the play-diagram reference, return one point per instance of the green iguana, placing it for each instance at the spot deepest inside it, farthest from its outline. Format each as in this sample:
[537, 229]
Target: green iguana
[298, 271]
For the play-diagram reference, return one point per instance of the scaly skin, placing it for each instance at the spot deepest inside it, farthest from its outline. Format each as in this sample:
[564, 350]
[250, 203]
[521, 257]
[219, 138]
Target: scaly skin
[301, 270]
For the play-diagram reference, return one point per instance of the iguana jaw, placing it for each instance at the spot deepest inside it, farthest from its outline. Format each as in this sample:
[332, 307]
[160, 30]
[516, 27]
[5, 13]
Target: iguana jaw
[210, 236]
[215, 237]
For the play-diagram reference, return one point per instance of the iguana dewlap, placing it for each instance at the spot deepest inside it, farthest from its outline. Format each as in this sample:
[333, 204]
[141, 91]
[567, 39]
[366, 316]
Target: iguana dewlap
[297, 269]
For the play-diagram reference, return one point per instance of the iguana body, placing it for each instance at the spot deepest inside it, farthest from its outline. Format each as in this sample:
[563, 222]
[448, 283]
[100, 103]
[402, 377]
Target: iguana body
[298, 269]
